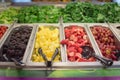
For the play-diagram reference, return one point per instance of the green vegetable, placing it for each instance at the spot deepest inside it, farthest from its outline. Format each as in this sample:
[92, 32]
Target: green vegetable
[88, 12]
[73, 12]
[39, 14]
[8, 15]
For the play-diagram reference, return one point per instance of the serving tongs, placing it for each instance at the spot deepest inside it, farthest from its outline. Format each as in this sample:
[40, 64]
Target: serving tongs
[47, 62]
[17, 62]
[88, 52]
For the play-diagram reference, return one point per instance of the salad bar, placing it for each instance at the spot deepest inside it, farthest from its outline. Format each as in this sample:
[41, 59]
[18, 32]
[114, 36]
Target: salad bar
[60, 46]
[87, 37]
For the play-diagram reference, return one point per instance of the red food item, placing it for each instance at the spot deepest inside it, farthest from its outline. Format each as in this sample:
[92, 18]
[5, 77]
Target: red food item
[64, 41]
[79, 50]
[78, 55]
[71, 54]
[105, 40]
[82, 60]
[2, 30]
[72, 59]
[75, 37]
[71, 49]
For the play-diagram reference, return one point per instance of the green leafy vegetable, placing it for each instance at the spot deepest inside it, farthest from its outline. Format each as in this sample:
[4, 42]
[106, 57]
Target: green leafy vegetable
[88, 12]
[8, 15]
[39, 14]
[73, 12]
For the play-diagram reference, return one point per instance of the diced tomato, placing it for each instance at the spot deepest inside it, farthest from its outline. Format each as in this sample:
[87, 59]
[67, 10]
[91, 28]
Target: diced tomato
[91, 59]
[70, 43]
[71, 54]
[71, 49]
[80, 40]
[67, 35]
[73, 38]
[82, 60]
[76, 37]
[76, 45]
[72, 59]
[79, 50]
[81, 29]
[64, 41]
[78, 55]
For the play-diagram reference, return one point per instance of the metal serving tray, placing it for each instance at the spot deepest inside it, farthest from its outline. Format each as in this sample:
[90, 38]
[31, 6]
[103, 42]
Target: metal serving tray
[30, 63]
[117, 41]
[6, 64]
[64, 64]
[82, 64]
[9, 27]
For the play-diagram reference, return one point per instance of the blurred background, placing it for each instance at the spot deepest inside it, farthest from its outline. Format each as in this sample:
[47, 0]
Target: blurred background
[55, 0]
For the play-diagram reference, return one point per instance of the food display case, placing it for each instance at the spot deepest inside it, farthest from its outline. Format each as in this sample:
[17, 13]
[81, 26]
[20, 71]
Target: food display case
[71, 45]
[60, 39]
[70, 57]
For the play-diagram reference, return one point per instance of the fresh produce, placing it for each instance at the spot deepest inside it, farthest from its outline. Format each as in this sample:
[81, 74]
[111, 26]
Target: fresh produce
[106, 41]
[39, 14]
[2, 30]
[8, 16]
[15, 44]
[47, 38]
[75, 38]
[73, 12]
[91, 13]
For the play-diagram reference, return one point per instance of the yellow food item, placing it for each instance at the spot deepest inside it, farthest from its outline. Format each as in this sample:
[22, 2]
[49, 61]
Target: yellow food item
[47, 38]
